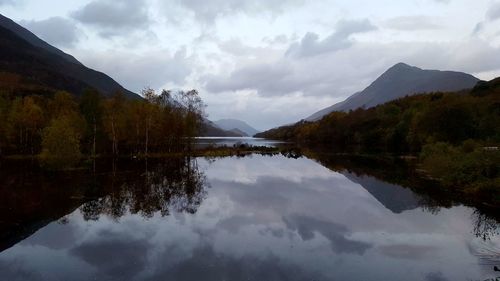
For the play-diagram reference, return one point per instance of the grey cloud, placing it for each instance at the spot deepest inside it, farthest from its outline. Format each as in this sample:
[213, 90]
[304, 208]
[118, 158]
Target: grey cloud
[135, 72]
[209, 11]
[410, 23]
[57, 31]
[311, 45]
[338, 74]
[335, 233]
[7, 2]
[273, 79]
[114, 17]
[493, 12]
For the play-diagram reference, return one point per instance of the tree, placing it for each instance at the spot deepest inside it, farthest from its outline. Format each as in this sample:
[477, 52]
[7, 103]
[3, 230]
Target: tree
[4, 110]
[60, 145]
[194, 113]
[32, 120]
[114, 119]
[90, 107]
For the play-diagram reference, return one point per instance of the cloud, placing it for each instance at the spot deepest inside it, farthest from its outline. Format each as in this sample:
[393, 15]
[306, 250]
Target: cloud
[114, 17]
[57, 31]
[311, 45]
[337, 74]
[410, 23]
[493, 12]
[268, 85]
[335, 233]
[208, 11]
[136, 71]
[10, 2]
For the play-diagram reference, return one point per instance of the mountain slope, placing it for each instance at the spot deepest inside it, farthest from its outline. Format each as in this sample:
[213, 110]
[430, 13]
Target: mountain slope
[399, 81]
[210, 129]
[231, 124]
[38, 67]
[33, 39]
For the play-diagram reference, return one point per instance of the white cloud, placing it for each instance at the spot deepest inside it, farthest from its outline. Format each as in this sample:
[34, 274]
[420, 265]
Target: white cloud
[208, 11]
[410, 23]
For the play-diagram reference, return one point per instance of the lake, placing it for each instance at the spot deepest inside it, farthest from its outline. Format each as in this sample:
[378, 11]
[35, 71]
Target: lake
[202, 142]
[260, 217]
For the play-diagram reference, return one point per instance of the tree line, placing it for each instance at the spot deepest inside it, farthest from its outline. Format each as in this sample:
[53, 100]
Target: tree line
[456, 136]
[406, 125]
[63, 127]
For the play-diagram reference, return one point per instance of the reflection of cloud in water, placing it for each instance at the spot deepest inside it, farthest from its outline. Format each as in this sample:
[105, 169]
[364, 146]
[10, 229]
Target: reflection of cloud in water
[53, 236]
[14, 270]
[407, 251]
[207, 265]
[335, 233]
[115, 254]
[249, 169]
[435, 276]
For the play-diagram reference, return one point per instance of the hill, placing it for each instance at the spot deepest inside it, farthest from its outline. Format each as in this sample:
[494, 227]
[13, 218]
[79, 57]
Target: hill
[399, 81]
[28, 65]
[241, 126]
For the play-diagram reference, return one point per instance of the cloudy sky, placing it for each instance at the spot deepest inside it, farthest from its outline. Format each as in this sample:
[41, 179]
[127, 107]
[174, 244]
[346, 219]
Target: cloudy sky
[268, 62]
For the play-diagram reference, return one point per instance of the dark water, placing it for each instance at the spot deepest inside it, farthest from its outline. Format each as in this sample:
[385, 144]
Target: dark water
[252, 218]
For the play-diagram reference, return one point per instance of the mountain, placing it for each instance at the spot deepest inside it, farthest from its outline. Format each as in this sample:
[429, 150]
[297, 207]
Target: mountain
[210, 129]
[29, 65]
[239, 132]
[399, 81]
[395, 198]
[231, 124]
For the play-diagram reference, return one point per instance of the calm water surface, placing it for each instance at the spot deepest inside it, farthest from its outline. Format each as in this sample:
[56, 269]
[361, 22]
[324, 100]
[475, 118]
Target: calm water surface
[252, 218]
[231, 141]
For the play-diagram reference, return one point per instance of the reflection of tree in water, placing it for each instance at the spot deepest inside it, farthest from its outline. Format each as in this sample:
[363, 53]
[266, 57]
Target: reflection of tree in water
[485, 226]
[176, 185]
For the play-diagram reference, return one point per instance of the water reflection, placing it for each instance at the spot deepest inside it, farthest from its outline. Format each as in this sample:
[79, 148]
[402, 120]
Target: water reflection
[174, 185]
[283, 217]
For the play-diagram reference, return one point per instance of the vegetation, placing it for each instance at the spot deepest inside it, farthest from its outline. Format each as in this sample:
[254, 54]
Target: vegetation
[455, 135]
[60, 128]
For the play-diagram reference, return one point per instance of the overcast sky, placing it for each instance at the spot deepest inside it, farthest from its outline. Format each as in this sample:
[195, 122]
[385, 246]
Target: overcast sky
[267, 62]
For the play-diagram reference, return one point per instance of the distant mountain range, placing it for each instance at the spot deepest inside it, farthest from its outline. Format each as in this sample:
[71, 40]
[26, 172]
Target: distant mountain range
[30, 65]
[399, 81]
[210, 129]
[237, 126]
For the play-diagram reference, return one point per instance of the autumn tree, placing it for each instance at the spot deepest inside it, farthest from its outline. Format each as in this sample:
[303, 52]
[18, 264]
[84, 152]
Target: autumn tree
[194, 113]
[60, 144]
[90, 107]
[114, 119]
